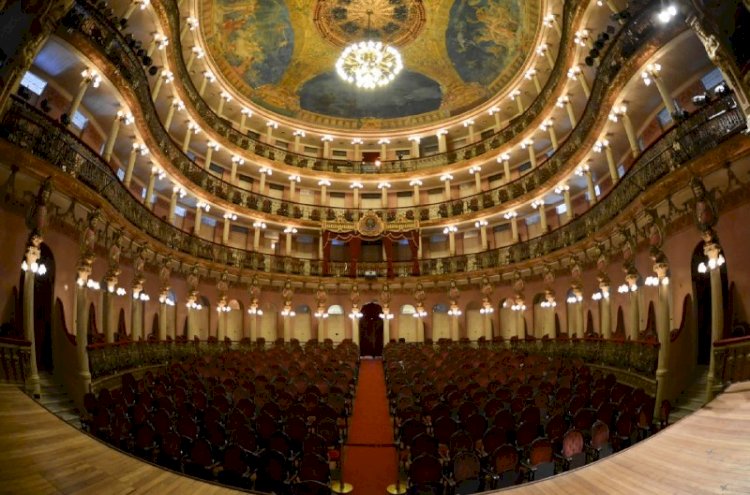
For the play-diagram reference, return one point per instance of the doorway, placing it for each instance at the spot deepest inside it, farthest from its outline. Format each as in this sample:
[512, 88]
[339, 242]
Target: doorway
[371, 331]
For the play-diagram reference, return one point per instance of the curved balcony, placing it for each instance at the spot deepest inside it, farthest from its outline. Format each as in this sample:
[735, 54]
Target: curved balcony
[639, 34]
[170, 19]
[31, 130]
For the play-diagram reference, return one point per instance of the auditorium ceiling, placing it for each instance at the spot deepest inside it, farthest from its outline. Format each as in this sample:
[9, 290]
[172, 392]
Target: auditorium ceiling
[281, 55]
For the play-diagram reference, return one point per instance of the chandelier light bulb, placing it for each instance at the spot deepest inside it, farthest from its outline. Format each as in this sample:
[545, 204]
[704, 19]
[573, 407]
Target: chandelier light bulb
[369, 64]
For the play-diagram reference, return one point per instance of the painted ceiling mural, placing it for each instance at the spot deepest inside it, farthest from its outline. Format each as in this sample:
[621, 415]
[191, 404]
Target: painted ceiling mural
[281, 54]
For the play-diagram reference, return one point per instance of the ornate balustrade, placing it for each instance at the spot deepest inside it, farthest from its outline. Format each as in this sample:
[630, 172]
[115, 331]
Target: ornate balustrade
[732, 363]
[29, 129]
[108, 359]
[14, 358]
[638, 33]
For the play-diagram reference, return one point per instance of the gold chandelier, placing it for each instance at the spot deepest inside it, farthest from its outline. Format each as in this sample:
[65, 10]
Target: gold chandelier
[369, 64]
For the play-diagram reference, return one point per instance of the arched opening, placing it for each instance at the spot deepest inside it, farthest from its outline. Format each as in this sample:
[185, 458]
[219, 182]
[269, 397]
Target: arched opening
[234, 320]
[334, 327]
[44, 288]
[440, 323]
[507, 320]
[407, 323]
[702, 297]
[371, 330]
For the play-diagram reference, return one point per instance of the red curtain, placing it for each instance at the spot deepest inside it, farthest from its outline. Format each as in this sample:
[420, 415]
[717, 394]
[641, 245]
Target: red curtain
[355, 249]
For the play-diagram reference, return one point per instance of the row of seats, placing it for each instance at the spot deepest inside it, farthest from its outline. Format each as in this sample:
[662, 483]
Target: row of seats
[272, 419]
[470, 419]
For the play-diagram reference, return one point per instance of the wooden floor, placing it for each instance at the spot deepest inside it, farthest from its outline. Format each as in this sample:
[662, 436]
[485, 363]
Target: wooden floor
[707, 452]
[41, 454]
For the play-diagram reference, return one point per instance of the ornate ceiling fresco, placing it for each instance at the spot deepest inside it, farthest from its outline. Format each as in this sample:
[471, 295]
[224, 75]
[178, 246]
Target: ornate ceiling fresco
[281, 55]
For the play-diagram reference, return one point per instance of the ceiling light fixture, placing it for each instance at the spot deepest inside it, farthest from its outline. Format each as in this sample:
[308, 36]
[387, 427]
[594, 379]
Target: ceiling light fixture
[369, 64]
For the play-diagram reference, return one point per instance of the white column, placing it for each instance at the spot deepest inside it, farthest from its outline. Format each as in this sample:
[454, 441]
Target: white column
[270, 126]
[323, 184]
[357, 142]
[543, 50]
[211, 146]
[224, 98]
[565, 190]
[585, 171]
[550, 21]
[155, 172]
[531, 74]
[635, 324]
[32, 383]
[476, 170]
[192, 128]
[262, 182]
[495, 113]
[122, 118]
[228, 217]
[482, 226]
[176, 191]
[515, 95]
[619, 112]
[539, 205]
[163, 320]
[236, 161]
[81, 326]
[355, 187]
[447, 178]
[652, 74]
[469, 126]
[384, 149]
[605, 309]
[442, 143]
[662, 328]
[190, 24]
[414, 146]
[528, 145]
[137, 149]
[355, 330]
[196, 53]
[175, 105]
[549, 126]
[298, 135]
[198, 217]
[564, 101]
[163, 77]
[505, 159]
[245, 113]
[513, 217]
[208, 77]
[415, 183]
[108, 317]
[576, 73]
[383, 186]
[610, 161]
[90, 78]
[713, 251]
[451, 231]
[288, 240]
[293, 180]
[258, 226]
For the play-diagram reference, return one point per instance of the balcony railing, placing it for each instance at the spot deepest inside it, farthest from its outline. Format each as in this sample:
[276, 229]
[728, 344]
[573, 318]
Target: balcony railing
[29, 129]
[14, 359]
[732, 363]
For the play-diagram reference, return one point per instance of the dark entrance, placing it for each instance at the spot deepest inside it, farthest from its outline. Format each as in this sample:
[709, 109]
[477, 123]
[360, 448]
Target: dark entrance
[702, 302]
[371, 331]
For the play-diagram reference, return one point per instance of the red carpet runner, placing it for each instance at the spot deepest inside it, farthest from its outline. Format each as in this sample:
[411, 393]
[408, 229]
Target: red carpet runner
[370, 457]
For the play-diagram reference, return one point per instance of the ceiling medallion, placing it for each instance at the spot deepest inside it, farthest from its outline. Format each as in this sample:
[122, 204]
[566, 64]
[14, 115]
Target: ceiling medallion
[394, 22]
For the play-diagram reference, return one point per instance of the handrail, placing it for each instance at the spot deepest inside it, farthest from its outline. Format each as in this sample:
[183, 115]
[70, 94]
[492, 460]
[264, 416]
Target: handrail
[15, 354]
[731, 364]
[114, 47]
[29, 129]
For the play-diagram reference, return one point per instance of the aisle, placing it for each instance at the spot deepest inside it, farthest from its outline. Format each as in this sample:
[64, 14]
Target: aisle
[370, 456]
